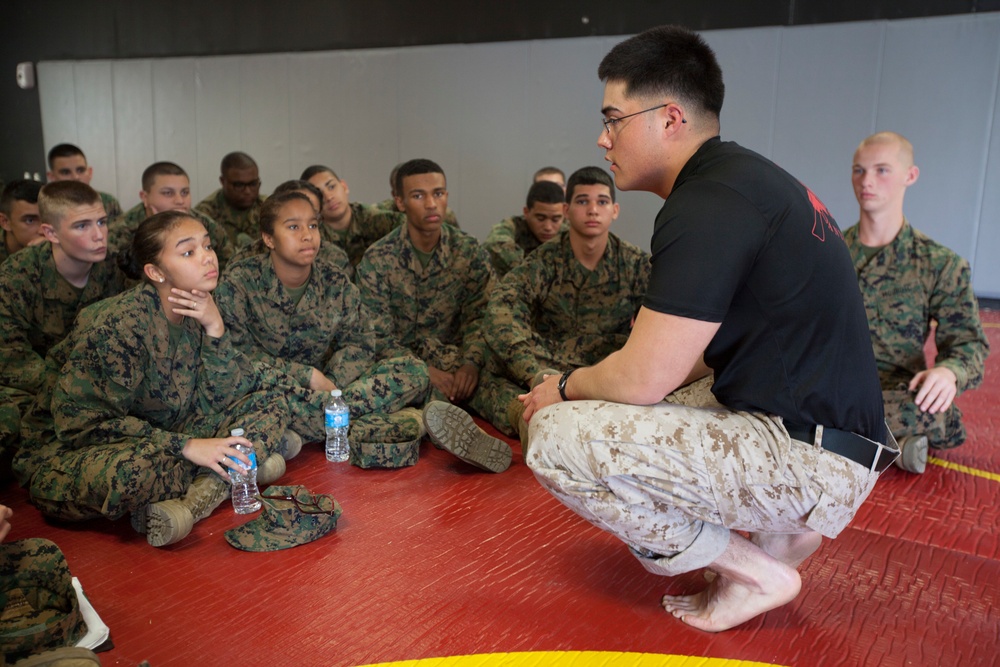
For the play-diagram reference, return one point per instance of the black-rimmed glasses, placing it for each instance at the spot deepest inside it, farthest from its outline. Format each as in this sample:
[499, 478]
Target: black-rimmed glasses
[612, 122]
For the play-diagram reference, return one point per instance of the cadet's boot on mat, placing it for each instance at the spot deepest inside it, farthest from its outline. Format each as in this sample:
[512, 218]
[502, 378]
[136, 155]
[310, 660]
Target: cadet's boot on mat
[291, 445]
[68, 656]
[170, 521]
[270, 470]
[451, 427]
[912, 454]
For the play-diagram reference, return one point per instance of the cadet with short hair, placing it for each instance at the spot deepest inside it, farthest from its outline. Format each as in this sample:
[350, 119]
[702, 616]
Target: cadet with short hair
[139, 401]
[551, 174]
[236, 204]
[68, 163]
[298, 314]
[166, 187]
[912, 286]
[390, 203]
[350, 225]
[20, 224]
[513, 239]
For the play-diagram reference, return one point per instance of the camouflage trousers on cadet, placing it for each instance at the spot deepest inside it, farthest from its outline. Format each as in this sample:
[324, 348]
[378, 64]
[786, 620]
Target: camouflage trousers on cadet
[562, 355]
[385, 387]
[673, 479]
[112, 480]
[13, 403]
[943, 430]
[492, 400]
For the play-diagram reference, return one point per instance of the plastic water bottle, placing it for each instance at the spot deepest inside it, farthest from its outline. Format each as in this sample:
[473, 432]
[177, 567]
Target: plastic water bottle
[338, 419]
[244, 480]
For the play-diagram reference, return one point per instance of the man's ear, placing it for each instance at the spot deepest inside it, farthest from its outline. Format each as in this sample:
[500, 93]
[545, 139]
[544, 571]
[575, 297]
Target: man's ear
[912, 174]
[4, 222]
[50, 233]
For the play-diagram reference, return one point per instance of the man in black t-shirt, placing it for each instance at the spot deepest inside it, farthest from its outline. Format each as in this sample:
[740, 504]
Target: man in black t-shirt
[750, 281]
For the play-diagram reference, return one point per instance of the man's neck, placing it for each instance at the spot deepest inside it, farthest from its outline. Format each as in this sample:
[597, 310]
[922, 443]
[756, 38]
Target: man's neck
[879, 229]
[424, 241]
[73, 271]
[588, 251]
[10, 243]
[343, 223]
[290, 276]
[678, 159]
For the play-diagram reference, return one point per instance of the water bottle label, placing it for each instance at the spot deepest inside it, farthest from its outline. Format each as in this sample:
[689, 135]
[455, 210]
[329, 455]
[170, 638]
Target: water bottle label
[250, 455]
[337, 419]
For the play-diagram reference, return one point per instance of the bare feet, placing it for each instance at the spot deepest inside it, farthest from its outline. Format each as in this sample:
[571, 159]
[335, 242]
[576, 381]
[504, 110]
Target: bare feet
[790, 548]
[748, 583]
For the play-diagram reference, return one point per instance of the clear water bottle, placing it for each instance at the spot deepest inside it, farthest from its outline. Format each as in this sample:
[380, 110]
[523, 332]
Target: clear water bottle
[244, 480]
[338, 419]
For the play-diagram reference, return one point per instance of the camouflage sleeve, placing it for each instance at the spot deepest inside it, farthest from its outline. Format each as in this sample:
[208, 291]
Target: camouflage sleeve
[380, 223]
[225, 376]
[508, 322]
[641, 282]
[20, 366]
[479, 282]
[961, 342]
[354, 347]
[111, 206]
[502, 247]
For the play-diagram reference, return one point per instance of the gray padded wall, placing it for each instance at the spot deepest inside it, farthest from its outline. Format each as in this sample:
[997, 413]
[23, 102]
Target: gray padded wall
[491, 114]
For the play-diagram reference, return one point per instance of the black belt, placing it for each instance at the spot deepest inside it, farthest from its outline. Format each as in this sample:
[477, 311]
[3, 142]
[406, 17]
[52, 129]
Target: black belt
[859, 449]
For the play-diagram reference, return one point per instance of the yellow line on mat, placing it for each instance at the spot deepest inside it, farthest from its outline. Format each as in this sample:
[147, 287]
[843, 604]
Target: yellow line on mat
[966, 469]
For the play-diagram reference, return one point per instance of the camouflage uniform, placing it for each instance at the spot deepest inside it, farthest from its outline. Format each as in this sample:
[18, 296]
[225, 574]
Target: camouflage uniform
[111, 205]
[240, 226]
[4, 253]
[368, 225]
[390, 205]
[328, 329]
[37, 310]
[509, 242]
[106, 433]
[907, 285]
[122, 229]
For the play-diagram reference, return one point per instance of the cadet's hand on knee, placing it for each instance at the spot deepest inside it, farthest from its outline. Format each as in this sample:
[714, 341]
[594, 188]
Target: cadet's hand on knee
[544, 394]
[466, 379]
[5, 514]
[320, 382]
[215, 453]
[938, 387]
[199, 306]
[442, 381]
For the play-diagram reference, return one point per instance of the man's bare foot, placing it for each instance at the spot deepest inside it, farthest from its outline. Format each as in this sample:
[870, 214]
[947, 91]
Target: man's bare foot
[748, 583]
[790, 548]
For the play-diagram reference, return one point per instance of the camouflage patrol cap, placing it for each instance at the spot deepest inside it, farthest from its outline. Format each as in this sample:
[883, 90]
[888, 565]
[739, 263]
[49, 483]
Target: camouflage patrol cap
[386, 440]
[38, 605]
[286, 523]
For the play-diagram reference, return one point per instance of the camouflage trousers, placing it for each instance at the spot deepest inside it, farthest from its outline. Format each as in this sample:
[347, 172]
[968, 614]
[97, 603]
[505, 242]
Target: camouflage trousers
[115, 479]
[943, 430]
[562, 355]
[13, 403]
[492, 400]
[675, 479]
[388, 385]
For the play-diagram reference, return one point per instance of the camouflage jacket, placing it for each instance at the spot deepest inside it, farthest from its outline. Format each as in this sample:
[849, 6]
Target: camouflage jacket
[4, 253]
[553, 297]
[328, 328]
[390, 205]
[111, 205]
[509, 242]
[37, 310]
[240, 226]
[122, 229]
[368, 225]
[125, 382]
[909, 283]
[436, 311]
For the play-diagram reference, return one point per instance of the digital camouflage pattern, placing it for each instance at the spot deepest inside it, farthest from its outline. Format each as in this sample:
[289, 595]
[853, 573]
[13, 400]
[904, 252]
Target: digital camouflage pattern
[390, 205]
[435, 311]
[111, 205]
[386, 441]
[911, 283]
[328, 329]
[122, 229]
[368, 224]
[4, 253]
[241, 226]
[105, 434]
[328, 252]
[284, 524]
[552, 312]
[509, 242]
[38, 605]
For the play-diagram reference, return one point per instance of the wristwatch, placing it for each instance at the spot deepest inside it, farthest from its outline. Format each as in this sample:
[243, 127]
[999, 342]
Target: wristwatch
[562, 383]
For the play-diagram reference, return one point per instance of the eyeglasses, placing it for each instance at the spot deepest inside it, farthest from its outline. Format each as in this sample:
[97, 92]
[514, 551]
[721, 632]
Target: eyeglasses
[321, 504]
[612, 122]
[245, 185]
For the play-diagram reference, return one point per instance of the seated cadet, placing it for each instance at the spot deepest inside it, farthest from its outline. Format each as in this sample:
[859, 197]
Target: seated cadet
[139, 400]
[68, 163]
[553, 174]
[909, 282]
[329, 251]
[297, 313]
[511, 240]
[165, 187]
[570, 304]
[20, 225]
[44, 287]
[432, 282]
[390, 203]
[350, 225]
[236, 204]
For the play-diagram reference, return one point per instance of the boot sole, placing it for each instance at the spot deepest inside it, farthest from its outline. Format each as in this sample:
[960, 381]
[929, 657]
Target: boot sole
[913, 458]
[452, 429]
[167, 522]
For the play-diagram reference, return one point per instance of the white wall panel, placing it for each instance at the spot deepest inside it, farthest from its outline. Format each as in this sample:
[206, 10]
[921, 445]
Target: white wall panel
[132, 106]
[95, 120]
[264, 120]
[57, 98]
[316, 113]
[218, 120]
[938, 87]
[986, 264]
[175, 126]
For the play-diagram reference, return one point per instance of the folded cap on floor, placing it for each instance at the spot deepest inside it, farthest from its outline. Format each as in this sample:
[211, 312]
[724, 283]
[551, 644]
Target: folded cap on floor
[290, 516]
[386, 440]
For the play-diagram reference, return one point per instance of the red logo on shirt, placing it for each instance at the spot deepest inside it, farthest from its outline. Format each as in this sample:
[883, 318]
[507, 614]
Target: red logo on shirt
[822, 220]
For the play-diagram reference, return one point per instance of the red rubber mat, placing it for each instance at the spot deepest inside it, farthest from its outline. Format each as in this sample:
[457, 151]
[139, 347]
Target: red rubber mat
[443, 560]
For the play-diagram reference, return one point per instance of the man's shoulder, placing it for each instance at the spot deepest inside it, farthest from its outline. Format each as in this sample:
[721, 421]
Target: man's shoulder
[210, 204]
[627, 250]
[247, 270]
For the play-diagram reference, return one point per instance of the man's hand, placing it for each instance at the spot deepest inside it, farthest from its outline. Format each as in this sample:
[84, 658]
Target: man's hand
[938, 387]
[442, 381]
[544, 394]
[320, 382]
[466, 379]
[5, 514]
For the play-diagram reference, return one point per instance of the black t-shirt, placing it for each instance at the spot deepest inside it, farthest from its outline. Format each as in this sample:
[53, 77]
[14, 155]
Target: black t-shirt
[741, 242]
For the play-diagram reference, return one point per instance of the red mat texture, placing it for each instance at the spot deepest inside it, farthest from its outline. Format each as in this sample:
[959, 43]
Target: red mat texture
[441, 559]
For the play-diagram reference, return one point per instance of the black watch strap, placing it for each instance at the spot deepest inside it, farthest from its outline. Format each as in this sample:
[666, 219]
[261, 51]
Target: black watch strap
[562, 383]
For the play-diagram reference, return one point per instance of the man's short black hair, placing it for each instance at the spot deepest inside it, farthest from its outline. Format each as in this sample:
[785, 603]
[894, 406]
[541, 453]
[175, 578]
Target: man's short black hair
[589, 176]
[236, 160]
[667, 61]
[64, 150]
[544, 171]
[160, 169]
[545, 192]
[317, 169]
[19, 190]
[413, 168]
